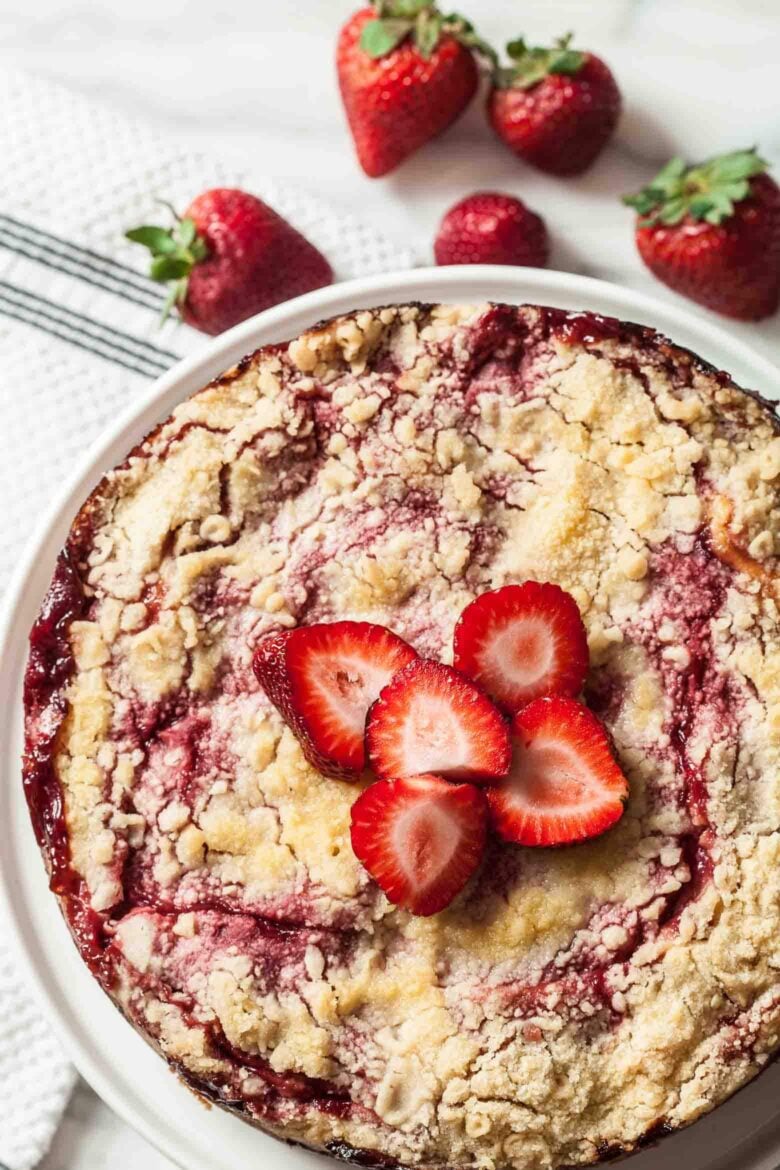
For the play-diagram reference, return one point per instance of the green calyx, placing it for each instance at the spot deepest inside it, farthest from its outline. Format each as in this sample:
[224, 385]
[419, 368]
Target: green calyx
[420, 21]
[531, 65]
[705, 192]
[175, 251]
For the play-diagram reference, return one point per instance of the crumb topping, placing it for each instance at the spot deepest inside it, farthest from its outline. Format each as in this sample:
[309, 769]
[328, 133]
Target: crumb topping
[389, 466]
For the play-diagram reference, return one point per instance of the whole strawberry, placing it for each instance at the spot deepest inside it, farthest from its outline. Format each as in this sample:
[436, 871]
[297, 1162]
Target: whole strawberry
[230, 256]
[405, 74]
[490, 228]
[712, 233]
[555, 108]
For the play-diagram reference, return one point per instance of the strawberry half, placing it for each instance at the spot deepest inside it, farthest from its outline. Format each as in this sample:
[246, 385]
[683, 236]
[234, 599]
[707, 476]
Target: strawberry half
[420, 838]
[271, 669]
[521, 642]
[431, 718]
[565, 784]
[323, 679]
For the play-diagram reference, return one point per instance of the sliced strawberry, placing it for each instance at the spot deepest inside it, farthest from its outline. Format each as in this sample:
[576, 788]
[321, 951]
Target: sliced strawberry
[565, 784]
[271, 670]
[521, 642]
[323, 679]
[420, 838]
[431, 718]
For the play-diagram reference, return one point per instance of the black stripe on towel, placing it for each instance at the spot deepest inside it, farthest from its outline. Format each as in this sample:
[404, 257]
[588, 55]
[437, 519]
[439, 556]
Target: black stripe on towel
[58, 262]
[135, 347]
[85, 257]
[36, 312]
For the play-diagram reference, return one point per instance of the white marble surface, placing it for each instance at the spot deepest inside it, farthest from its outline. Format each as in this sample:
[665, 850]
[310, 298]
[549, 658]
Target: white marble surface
[699, 76]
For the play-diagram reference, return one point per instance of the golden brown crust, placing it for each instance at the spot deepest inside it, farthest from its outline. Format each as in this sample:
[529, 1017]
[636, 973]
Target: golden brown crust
[388, 466]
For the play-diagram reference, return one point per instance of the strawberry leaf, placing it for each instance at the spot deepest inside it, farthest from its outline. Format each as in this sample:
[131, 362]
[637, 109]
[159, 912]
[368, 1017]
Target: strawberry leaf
[563, 59]
[644, 201]
[409, 9]
[700, 206]
[177, 294]
[517, 49]
[706, 193]
[166, 268]
[740, 165]
[674, 210]
[198, 250]
[567, 61]
[158, 240]
[397, 19]
[380, 37]
[427, 32]
[721, 206]
[670, 177]
[530, 65]
[187, 232]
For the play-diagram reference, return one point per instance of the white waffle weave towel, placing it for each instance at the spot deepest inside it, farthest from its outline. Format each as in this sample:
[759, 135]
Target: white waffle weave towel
[79, 337]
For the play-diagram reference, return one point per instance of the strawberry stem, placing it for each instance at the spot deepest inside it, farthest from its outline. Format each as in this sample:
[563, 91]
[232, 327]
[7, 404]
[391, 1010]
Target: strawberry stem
[170, 208]
[706, 192]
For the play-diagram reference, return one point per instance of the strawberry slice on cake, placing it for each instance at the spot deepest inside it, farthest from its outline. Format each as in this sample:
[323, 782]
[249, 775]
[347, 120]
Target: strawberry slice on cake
[323, 679]
[431, 718]
[421, 838]
[564, 784]
[521, 642]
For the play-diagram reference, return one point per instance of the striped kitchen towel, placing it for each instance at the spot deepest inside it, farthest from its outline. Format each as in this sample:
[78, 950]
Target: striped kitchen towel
[78, 337]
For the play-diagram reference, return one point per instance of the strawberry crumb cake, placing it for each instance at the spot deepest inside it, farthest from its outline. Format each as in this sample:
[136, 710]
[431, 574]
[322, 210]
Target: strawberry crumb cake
[403, 737]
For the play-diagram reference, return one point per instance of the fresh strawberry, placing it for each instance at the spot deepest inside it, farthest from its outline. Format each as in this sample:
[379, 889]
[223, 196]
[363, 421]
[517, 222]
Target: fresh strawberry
[565, 784]
[712, 233]
[555, 108]
[405, 73]
[489, 228]
[323, 679]
[229, 257]
[431, 718]
[421, 839]
[521, 642]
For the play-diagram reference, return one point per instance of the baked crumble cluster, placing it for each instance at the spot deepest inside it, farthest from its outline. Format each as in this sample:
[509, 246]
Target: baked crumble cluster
[389, 466]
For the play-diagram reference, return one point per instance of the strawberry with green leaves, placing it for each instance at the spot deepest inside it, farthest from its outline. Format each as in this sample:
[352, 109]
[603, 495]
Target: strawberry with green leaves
[556, 108]
[406, 72]
[228, 257]
[712, 233]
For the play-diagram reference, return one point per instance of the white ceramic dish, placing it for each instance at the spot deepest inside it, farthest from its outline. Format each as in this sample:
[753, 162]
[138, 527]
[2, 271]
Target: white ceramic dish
[132, 1079]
